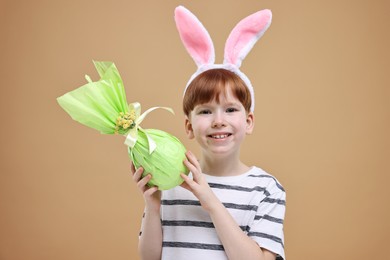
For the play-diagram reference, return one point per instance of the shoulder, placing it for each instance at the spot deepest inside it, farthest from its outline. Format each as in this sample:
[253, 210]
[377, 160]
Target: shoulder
[259, 176]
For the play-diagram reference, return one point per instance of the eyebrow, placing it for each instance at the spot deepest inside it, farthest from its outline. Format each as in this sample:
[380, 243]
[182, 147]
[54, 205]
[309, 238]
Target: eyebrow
[233, 104]
[208, 104]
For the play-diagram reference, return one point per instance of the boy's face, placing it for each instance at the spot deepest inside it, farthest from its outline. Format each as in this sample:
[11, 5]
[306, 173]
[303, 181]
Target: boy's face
[220, 127]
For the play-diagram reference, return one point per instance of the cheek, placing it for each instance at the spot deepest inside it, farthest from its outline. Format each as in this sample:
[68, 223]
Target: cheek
[199, 123]
[199, 128]
[241, 125]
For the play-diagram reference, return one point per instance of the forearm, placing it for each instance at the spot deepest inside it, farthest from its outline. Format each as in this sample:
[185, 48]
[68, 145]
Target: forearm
[150, 243]
[236, 243]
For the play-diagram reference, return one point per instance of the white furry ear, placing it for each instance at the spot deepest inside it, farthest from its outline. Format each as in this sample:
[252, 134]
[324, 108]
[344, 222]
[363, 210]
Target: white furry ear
[194, 36]
[244, 36]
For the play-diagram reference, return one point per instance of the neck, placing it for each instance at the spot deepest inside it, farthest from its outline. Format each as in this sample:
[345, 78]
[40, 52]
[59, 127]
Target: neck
[222, 165]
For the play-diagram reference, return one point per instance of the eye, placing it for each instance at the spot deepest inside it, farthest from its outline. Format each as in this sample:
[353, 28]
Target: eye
[204, 112]
[231, 109]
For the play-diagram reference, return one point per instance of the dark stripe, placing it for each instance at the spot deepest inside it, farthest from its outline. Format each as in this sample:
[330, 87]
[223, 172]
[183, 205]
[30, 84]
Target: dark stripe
[245, 228]
[268, 176]
[269, 218]
[184, 223]
[277, 201]
[187, 223]
[240, 206]
[197, 203]
[238, 188]
[267, 236]
[193, 245]
[180, 202]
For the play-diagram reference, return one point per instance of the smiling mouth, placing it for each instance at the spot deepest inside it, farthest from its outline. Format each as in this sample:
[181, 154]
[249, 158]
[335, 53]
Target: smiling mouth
[219, 136]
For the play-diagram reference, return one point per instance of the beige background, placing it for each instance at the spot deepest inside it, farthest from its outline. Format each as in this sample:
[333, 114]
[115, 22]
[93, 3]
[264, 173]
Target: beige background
[321, 75]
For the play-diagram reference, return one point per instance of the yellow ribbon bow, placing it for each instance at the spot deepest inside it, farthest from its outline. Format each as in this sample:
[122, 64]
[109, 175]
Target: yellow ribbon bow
[132, 136]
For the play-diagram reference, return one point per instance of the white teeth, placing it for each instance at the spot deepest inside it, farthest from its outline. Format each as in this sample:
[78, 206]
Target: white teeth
[219, 136]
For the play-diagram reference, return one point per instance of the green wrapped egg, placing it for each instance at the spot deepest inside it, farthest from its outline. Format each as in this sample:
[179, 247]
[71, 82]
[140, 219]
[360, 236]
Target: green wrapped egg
[102, 105]
[165, 163]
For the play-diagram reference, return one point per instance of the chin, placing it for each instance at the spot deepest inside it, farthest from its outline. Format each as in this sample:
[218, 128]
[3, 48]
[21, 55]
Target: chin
[221, 152]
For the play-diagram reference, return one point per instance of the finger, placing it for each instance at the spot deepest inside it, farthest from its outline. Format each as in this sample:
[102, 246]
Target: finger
[132, 168]
[150, 191]
[189, 165]
[192, 159]
[188, 183]
[142, 183]
[195, 171]
[186, 186]
[137, 174]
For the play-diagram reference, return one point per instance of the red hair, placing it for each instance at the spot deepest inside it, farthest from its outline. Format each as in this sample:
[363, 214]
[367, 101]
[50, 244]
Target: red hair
[209, 85]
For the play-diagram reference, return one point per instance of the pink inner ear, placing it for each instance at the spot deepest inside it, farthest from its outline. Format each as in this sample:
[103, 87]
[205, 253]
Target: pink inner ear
[194, 36]
[245, 35]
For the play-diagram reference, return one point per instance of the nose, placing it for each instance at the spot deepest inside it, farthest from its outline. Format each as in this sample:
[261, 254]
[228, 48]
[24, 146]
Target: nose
[218, 121]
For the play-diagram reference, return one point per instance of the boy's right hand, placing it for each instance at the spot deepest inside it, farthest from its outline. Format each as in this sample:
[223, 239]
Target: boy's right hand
[152, 195]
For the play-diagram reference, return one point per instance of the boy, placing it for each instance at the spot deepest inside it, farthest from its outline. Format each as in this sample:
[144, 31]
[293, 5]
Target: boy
[234, 211]
[224, 209]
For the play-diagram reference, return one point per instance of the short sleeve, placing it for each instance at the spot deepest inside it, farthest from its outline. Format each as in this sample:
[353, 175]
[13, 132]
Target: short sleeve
[267, 226]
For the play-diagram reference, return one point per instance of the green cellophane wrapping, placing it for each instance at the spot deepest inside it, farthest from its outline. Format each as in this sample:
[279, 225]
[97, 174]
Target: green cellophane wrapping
[98, 104]
[165, 163]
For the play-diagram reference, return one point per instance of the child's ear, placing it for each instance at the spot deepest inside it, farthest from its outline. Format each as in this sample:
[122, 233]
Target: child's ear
[188, 127]
[250, 123]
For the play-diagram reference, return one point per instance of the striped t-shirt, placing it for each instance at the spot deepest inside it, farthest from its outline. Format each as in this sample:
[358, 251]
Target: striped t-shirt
[255, 199]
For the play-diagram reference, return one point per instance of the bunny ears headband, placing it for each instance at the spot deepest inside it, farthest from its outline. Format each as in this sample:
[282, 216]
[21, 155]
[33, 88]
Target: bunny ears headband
[242, 38]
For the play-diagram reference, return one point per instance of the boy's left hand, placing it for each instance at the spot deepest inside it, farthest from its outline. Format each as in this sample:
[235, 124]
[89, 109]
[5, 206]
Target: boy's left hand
[198, 184]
